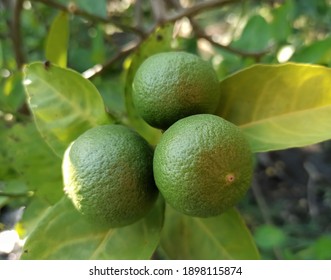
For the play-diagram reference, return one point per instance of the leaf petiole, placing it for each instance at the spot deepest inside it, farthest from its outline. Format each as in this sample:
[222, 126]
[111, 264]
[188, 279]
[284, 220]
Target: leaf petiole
[15, 195]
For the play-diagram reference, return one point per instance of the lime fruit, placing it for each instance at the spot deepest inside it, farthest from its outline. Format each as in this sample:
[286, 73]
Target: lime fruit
[108, 175]
[203, 165]
[172, 85]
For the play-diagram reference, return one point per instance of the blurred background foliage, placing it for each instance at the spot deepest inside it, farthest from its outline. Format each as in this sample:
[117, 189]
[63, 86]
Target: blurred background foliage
[289, 206]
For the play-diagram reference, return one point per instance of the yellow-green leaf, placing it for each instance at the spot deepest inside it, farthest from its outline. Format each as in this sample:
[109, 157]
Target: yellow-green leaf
[64, 234]
[57, 40]
[224, 237]
[37, 165]
[63, 103]
[279, 106]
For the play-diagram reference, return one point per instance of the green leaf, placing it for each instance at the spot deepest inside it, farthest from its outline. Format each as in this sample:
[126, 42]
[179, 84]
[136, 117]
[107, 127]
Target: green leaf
[98, 54]
[4, 164]
[13, 192]
[35, 210]
[320, 249]
[64, 234]
[111, 88]
[57, 40]
[282, 21]
[279, 106]
[35, 162]
[222, 237]
[98, 8]
[64, 104]
[317, 52]
[12, 94]
[269, 236]
[256, 35]
[159, 41]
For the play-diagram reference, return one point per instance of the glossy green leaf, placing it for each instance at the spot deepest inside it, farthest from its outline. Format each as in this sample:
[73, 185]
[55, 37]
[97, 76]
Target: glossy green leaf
[64, 234]
[279, 106]
[222, 237]
[159, 41]
[57, 40]
[31, 157]
[63, 103]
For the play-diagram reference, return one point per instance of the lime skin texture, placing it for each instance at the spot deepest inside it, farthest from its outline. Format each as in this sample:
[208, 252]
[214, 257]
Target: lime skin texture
[172, 85]
[108, 175]
[203, 165]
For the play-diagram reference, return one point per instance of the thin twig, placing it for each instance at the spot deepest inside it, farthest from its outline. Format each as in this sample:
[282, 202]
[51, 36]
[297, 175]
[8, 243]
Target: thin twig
[98, 68]
[199, 8]
[159, 14]
[201, 34]
[73, 9]
[138, 14]
[158, 8]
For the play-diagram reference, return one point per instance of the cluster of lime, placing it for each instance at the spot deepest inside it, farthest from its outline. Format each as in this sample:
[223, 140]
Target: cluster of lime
[202, 164]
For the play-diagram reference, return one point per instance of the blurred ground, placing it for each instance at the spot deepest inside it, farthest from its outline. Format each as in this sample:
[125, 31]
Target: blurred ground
[289, 206]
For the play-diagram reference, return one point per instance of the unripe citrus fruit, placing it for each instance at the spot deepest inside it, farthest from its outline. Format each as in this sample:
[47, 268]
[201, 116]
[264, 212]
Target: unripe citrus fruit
[108, 175]
[203, 165]
[172, 85]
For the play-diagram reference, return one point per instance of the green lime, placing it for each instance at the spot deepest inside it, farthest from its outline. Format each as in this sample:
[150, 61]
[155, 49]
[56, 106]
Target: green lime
[108, 175]
[203, 165]
[172, 85]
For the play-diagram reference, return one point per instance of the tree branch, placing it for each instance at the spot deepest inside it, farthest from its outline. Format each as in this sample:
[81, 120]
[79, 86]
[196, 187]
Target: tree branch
[199, 8]
[159, 14]
[98, 68]
[158, 8]
[73, 9]
[138, 14]
[201, 34]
